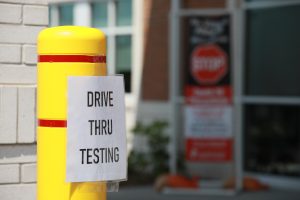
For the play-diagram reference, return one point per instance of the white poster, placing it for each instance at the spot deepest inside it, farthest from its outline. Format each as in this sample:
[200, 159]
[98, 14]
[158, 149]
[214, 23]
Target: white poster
[96, 132]
[208, 121]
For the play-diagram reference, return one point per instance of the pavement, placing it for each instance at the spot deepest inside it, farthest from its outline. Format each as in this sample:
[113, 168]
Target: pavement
[147, 193]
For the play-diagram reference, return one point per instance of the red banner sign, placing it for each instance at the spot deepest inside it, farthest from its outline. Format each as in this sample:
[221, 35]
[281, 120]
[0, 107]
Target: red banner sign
[211, 149]
[208, 90]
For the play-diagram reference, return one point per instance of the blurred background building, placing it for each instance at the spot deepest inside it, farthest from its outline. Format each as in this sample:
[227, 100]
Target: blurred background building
[147, 42]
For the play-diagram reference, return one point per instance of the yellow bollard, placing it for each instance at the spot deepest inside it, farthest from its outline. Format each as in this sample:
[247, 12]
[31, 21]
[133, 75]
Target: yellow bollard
[63, 51]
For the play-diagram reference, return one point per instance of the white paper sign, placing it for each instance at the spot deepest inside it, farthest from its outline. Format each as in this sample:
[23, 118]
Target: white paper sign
[208, 121]
[96, 133]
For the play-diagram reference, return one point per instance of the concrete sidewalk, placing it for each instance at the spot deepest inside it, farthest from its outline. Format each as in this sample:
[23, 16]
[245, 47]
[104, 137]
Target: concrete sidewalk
[147, 193]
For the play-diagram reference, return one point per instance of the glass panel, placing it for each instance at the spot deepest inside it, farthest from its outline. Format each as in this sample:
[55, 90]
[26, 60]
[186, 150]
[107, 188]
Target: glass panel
[50, 13]
[99, 14]
[66, 14]
[272, 52]
[124, 12]
[263, 0]
[272, 142]
[123, 59]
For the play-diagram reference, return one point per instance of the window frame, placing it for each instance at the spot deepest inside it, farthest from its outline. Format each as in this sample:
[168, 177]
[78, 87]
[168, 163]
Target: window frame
[242, 99]
[262, 99]
[84, 10]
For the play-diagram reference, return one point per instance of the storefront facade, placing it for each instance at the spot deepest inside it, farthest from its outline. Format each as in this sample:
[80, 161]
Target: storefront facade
[147, 43]
[264, 76]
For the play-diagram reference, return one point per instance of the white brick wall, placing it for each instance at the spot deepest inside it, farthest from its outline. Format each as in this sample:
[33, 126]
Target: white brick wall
[28, 173]
[17, 74]
[17, 34]
[9, 173]
[29, 54]
[8, 116]
[10, 53]
[10, 13]
[26, 115]
[35, 15]
[18, 159]
[18, 192]
[20, 23]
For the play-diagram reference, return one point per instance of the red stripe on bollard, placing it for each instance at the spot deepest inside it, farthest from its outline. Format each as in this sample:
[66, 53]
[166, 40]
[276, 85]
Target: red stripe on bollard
[72, 58]
[52, 123]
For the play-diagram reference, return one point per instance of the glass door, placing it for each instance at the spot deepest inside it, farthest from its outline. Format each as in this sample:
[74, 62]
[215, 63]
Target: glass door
[271, 93]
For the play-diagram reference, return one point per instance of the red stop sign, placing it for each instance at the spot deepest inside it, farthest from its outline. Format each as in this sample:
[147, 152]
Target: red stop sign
[208, 64]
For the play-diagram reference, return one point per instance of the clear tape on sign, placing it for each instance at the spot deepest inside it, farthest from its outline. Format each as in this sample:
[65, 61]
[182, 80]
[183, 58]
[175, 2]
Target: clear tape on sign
[96, 187]
[112, 186]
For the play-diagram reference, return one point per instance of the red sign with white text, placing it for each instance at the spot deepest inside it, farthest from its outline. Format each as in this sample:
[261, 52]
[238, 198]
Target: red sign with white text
[208, 95]
[208, 90]
[208, 149]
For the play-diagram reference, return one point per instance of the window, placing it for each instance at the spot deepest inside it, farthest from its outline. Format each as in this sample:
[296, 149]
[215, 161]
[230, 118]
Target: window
[65, 14]
[273, 47]
[99, 14]
[114, 18]
[61, 14]
[124, 12]
[123, 59]
[273, 139]
[271, 98]
[116, 22]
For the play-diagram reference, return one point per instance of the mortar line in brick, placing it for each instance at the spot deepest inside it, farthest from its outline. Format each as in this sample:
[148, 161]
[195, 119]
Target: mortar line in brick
[22, 49]
[20, 43]
[30, 65]
[21, 162]
[9, 164]
[17, 145]
[11, 63]
[17, 120]
[11, 23]
[22, 7]
[25, 4]
[36, 25]
[1, 98]
[16, 184]
[20, 171]
[25, 85]
[25, 25]
[7, 43]
[6, 3]
[35, 114]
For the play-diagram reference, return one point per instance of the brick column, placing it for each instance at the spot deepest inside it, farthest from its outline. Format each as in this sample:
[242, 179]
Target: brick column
[20, 23]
